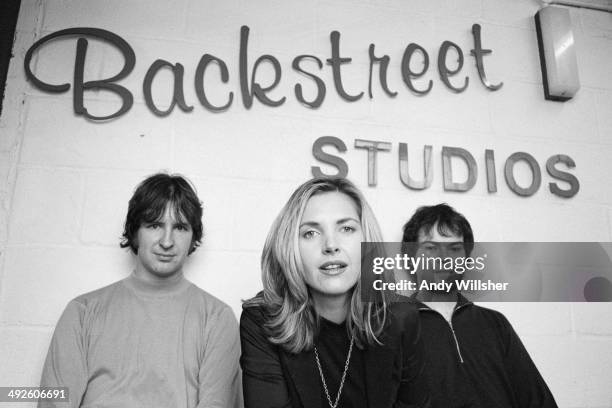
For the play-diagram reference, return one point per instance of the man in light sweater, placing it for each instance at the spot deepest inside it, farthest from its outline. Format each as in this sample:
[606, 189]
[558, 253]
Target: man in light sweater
[152, 339]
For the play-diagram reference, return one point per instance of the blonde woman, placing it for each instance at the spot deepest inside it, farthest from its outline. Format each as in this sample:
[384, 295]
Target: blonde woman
[308, 340]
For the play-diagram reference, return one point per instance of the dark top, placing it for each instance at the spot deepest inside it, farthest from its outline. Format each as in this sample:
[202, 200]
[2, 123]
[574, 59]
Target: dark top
[333, 344]
[390, 375]
[478, 361]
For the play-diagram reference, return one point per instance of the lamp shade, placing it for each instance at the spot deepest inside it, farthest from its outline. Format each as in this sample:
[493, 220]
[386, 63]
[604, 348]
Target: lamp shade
[557, 53]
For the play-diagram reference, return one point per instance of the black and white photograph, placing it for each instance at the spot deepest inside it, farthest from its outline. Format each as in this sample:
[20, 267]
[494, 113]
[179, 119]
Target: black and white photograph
[306, 204]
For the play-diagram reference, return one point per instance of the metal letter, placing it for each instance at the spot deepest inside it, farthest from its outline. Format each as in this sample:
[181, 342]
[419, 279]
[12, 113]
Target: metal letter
[255, 88]
[562, 175]
[447, 169]
[405, 172]
[178, 96]
[199, 82]
[445, 71]
[319, 154]
[320, 84]
[535, 172]
[490, 166]
[408, 74]
[373, 147]
[382, 72]
[478, 52]
[335, 61]
[79, 85]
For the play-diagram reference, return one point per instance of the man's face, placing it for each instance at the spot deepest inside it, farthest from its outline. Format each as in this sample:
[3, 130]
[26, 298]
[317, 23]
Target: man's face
[163, 246]
[432, 244]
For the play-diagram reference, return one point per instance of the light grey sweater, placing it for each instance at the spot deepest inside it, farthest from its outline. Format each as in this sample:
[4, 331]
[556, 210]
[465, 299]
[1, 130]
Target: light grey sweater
[133, 345]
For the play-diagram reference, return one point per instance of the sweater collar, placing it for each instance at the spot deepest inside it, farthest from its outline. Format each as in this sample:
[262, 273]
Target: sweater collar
[162, 289]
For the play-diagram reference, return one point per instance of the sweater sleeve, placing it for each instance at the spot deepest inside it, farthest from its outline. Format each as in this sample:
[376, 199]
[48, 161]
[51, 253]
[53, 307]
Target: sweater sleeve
[66, 363]
[414, 388]
[530, 389]
[219, 375]
[262, 375]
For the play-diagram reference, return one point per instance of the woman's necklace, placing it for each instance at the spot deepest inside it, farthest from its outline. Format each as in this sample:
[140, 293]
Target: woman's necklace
[346, 365]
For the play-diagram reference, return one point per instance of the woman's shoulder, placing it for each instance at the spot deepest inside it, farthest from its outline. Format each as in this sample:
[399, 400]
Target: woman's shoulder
[253, 328]
[253, 312]
[255, 316]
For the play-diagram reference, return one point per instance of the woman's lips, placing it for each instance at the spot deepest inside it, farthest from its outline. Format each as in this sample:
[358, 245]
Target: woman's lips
[333, 267]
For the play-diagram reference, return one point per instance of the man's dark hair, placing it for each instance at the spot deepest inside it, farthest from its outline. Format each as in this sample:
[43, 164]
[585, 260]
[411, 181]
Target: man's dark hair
[150, 200]
[449, 222]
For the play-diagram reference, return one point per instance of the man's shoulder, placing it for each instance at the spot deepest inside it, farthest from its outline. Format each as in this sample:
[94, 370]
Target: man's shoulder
[82, 307]
[207, 302]
[488, 316]
[404, 311]
[486, 311]
[97, 295]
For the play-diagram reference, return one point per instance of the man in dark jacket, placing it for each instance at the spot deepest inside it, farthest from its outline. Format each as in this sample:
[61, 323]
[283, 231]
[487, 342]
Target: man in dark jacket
[474, 358]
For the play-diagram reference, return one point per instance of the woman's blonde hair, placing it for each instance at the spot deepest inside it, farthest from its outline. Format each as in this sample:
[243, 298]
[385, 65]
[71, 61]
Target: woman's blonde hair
[292, 320]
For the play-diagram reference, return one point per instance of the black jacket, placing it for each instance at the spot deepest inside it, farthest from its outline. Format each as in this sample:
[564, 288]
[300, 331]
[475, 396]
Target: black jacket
[273, 377]
[478, 361]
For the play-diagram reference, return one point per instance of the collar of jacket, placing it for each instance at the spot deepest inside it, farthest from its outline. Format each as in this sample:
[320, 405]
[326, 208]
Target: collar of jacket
[461, 301]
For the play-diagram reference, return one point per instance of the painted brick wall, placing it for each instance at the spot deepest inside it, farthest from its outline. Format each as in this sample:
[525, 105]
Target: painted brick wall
[65, 181]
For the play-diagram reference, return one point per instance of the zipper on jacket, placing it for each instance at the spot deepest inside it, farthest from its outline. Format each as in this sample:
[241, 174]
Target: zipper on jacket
[450, 324]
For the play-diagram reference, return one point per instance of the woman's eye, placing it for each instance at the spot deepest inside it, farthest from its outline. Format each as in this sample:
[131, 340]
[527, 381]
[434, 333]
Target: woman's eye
[308, 234]
[348, 228]
[153, 226]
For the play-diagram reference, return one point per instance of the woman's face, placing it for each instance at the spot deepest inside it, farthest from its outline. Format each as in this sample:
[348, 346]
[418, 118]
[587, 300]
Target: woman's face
[330, 238]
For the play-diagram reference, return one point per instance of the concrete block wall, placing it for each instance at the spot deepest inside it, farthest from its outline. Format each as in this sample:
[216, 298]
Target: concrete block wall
[65, 181]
